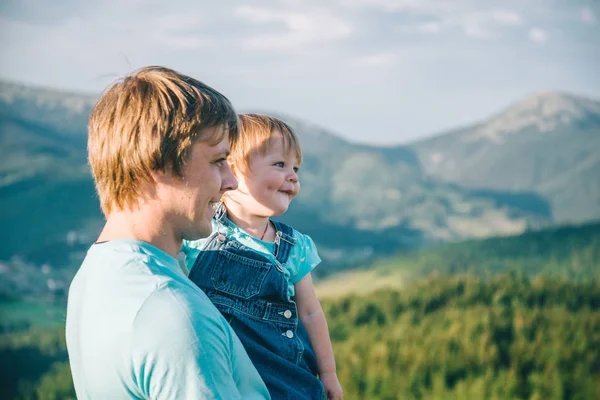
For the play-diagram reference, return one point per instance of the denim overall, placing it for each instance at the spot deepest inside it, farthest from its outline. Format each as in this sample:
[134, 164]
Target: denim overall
[252, 294]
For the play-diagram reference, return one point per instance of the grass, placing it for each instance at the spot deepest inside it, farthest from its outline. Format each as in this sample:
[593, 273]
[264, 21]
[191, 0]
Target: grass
[388, 273]
[34, 313]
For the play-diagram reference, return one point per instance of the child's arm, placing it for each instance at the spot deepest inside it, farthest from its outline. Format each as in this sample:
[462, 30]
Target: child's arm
[312, 317]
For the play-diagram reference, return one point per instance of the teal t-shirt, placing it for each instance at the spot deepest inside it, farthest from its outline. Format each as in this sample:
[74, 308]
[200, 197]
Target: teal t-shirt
[137, 327]
[303, 257]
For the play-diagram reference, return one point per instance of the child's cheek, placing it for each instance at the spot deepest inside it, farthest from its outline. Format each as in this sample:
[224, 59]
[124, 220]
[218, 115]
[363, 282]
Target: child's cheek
[273, 184]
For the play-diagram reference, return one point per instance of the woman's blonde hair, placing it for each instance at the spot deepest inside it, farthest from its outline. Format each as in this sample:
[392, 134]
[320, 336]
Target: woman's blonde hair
[148, 122]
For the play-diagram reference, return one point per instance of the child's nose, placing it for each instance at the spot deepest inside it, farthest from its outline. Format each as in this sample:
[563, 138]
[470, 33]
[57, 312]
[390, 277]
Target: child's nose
[293, 177]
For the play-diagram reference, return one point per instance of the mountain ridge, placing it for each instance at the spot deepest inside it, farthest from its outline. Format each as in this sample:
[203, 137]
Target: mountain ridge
[548, 143]
[356, 200]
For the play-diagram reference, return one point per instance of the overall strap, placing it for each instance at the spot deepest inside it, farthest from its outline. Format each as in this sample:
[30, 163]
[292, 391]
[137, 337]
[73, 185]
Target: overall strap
[220, 213]
[284, 241]
[212, 242]
[204, 256]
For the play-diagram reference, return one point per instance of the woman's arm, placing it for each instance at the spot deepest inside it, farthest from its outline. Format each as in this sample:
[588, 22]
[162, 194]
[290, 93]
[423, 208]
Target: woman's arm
[311, 314]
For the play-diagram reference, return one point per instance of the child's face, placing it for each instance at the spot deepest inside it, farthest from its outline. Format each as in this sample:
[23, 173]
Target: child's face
[271, 182]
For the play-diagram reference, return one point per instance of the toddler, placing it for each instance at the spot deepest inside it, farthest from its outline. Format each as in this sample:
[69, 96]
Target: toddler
[257, 271]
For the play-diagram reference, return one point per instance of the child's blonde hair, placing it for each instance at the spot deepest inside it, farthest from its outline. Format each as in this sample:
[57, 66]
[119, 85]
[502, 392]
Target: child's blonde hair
[256, 132]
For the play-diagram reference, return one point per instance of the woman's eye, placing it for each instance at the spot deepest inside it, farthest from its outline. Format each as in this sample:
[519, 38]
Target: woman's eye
[219, 163]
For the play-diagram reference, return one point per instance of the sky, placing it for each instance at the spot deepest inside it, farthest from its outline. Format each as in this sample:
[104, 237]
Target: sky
[371, 71]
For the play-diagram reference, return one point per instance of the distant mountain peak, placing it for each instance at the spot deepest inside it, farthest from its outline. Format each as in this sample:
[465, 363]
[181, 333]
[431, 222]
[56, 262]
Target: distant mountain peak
[11, 93]
[66, 112]
[542, 111]
[552, 103]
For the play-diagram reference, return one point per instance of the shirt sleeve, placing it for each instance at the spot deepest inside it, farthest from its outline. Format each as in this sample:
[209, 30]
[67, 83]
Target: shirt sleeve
[304, 257]
[182, 350]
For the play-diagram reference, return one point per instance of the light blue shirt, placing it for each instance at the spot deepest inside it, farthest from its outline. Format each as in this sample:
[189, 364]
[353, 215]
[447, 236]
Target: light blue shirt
[303, 257]
[138, 328]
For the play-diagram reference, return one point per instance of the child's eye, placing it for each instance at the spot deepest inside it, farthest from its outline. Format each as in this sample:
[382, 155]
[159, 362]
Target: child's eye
[280, 164]
[296, 169]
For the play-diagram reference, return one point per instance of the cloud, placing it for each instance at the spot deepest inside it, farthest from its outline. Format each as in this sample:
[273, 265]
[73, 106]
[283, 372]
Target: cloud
[485, 24]
[474, 25]
[388, 5]
[388, 50]
[429, 27]
[537, 35]
[300, 28]
[425, 28]
[506, 17]
[184, 42]
[180, 31]
[586, 15]
[104, 27]
[378, 59]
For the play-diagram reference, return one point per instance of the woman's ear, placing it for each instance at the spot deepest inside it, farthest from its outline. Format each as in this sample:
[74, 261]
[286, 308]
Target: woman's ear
[161, 176]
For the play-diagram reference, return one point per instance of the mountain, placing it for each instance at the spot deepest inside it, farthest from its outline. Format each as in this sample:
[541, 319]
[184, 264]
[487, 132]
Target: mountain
[356, 201]
[383, 189]
[46, 192]
[549, 143]
[66, 112]
[562, 253]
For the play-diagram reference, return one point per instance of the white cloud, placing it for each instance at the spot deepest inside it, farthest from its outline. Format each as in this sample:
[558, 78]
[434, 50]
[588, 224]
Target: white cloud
[387, 5]
[301, 28]
[475, 31]
[376, 47]
[537, 35]
[430, 27]
[506, 17]
[378, 59]
[184, 42]
[179, 31]
[485, 24]
[473, 20]
[433, 8]
[586, 15]
[427, 28]
[476, 24]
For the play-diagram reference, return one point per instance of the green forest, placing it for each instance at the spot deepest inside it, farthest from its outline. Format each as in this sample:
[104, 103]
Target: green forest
[464, 338]
[566, 252]
[505, 318]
